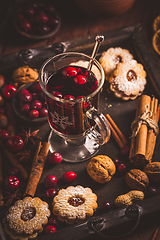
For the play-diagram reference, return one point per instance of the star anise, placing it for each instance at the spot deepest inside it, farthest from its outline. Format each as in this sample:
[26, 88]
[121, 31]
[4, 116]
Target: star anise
[24, 156]
[29, 136]
[10, 197]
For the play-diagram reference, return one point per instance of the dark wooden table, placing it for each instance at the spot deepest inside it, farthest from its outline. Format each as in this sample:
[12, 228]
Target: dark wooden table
[75, 23]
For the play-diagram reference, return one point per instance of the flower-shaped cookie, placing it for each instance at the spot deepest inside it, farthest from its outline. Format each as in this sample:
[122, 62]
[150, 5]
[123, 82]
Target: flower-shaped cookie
[74, 204]
[26, 218]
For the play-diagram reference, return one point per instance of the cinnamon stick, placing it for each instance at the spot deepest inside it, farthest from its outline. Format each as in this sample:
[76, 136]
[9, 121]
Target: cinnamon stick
[116, 132]
[151, 138]
[11, 127]
[37, 168]
[1, 180]
[14, 162]
[143, 144]
[155, 234]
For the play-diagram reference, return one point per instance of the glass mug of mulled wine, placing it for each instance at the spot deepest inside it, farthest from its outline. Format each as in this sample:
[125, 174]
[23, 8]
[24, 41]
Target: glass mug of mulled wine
[72, 94]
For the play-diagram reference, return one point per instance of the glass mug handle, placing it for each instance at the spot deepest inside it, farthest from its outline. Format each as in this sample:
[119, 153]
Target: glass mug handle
[102, 124]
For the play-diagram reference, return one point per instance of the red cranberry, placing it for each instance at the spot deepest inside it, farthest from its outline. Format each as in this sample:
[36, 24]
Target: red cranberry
[8, 91]
[50, 8]
[151, 191]
[69, 177]
[11, 183]
[20, 16]
[34, 113]
[13, 171]
[50, 181]
[53, 221]
[116, 161]
[15, 143]
[80, 79]
[49, 229]
[22, 91]
[57, 94]
[52, 22]
[25, 98]
[69, 71]
[30, 11]
[25, 109]
[42, 18]
[43, 112]
[35, 87]
[105, 206]
[50, 193]
[25, 25]
[36, 104]
[43, 29]
[54, 158]
[122, 168]
[69, 97]
[4, 134]
[2, 110]
[125, 151]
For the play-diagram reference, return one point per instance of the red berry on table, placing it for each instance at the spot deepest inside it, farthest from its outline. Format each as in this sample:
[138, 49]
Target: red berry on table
[8, 91]
[50, 193]
[80, 79]
[69, 177]
[54, 158]
[50, 181]
[151, 191]
[116, 161]
[49, 229]
[34, 113]
[4, 134]
[11, 183]
[15, 143]
[69, 71]
[36, 104]
[53, 221]
[125, 151]
[105, 206]
[122, 168]
[52, 22]
[43, 112]
[25, 25]
[30, 11]
[13, 171]
[43, 29]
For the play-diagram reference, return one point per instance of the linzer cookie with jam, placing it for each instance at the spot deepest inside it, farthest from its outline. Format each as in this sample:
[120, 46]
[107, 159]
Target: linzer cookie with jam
[26, 218]
[128, 80]
[74, 204]
[112, 57]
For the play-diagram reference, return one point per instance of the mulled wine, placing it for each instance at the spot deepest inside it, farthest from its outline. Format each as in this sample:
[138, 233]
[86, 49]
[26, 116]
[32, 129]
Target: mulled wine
[72, 83]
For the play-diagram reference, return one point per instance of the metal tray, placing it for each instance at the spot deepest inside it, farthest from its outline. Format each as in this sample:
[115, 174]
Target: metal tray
[123, 113]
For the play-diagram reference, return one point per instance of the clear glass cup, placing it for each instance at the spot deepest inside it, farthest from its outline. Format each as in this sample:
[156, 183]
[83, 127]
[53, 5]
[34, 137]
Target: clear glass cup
[78, 129]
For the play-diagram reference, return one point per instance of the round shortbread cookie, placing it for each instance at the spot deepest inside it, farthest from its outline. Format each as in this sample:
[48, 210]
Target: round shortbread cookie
[112, 57]
[128, 80]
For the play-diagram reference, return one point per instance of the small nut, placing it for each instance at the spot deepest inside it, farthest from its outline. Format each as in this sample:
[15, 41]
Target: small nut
[25, 74]
[153, 171]
[129, 198]
[137, 179]
[101, 168]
